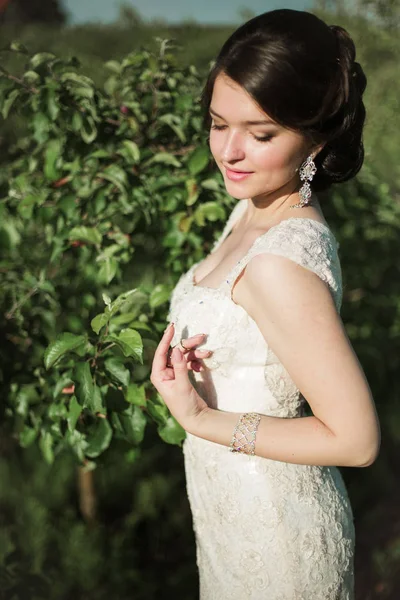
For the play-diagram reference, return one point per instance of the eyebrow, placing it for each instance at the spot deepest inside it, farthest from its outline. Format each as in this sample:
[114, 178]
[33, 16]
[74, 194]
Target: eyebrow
[263, 122]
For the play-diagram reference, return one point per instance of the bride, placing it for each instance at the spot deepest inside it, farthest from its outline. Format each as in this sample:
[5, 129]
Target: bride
[255, 329]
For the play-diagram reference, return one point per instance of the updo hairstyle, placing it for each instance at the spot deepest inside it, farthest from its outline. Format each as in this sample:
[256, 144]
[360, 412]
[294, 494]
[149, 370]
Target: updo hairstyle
[302, 73]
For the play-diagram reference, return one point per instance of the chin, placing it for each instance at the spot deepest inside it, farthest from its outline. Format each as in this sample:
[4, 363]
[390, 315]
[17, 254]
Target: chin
[241, 191]
[238, 195]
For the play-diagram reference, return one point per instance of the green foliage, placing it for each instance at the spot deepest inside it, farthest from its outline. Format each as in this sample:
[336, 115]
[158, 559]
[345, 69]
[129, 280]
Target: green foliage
[48, 552]
[96, 177]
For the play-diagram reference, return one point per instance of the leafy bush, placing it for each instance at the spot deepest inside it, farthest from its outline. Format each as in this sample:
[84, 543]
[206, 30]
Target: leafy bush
[105, 188]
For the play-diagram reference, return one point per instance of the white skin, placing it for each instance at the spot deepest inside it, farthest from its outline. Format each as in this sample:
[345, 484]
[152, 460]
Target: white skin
[292, 307]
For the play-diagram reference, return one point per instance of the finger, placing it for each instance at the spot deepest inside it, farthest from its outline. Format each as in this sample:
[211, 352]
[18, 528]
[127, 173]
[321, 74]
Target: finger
[190, 343]
[197, 355]
[202, 353]
[160, 355]
[195, 365]
[180, 370]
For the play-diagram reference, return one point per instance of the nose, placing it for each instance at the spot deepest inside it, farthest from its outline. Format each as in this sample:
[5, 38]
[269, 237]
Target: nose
[232, 148]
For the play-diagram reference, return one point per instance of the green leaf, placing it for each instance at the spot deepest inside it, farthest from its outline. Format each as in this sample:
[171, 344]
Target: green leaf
[68, 206]
[16, 47]
[65, 342]
[27, 436]
[77, 442]
[136, 394]
[98, 438]
[106, 299]
[210, 210]
[100, 201]
[41, 126]
[57, 411]
[88, 129]
[99, 321]
[117, 176]
[113, 65]
[158, 411]
[53, 107]
[159, 295]
[8, 102]
[171, 432]
[165, 158]
[41, 58]
[210, 184]
[51, 156]
[46, 446]
[130, 342]
[193, 191]
[118, 372]
[31, 77]
[26, 396]
[131, 151]
[130, 424]
[74, 412]
[91, 235]
[26, 206]
[75, 78]
[84, 388]
[77, 121]
[174, 121]
[108, 270]
[122, 299]
[198, 160]
[96, 404]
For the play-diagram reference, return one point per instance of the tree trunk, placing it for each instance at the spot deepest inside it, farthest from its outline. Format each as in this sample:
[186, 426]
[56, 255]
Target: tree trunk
[87, 495]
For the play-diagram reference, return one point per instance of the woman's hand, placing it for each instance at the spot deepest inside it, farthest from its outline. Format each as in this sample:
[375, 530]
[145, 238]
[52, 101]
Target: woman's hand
[172, 380]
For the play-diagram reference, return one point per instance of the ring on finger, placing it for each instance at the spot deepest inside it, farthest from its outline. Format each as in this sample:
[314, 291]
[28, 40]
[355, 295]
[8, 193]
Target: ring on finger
[169, 351]
[183, 346]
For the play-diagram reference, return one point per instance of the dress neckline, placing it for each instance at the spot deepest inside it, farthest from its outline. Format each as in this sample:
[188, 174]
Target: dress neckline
[257, 240]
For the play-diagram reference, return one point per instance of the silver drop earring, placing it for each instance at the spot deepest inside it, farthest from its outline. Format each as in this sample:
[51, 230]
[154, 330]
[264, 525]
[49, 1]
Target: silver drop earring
[307, 172]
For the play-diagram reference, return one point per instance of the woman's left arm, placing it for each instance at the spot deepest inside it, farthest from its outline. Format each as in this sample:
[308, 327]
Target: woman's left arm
[295, 312]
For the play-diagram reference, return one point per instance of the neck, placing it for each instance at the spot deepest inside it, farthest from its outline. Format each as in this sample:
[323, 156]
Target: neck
[261, 209]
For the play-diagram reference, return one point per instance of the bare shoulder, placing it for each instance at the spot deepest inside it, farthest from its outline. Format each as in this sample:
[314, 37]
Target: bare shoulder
[281, 288]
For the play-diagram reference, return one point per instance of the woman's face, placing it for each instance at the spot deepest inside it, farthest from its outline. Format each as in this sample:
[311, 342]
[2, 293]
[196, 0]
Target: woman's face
[267, 151]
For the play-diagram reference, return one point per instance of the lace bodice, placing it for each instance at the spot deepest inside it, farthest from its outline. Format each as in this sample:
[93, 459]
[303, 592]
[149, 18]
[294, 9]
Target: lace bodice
[232, 335]
[265, 529]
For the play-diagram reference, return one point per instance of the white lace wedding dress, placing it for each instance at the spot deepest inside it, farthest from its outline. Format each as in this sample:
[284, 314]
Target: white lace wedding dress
[264, 529]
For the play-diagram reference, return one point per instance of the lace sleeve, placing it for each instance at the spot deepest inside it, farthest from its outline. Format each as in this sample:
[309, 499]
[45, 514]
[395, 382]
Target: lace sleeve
[307, 242]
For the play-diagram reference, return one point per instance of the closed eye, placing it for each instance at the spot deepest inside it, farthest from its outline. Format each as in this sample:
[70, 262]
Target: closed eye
[265, 138]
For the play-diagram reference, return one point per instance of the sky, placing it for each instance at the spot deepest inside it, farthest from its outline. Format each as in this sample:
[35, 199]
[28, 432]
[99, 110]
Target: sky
[203, 11]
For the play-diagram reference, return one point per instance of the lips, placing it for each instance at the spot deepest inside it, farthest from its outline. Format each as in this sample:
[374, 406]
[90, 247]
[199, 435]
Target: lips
[237, 175]
[236, 170]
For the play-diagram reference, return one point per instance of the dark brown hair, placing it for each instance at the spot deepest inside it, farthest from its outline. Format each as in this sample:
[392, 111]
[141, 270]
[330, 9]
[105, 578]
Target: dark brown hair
[302, 73]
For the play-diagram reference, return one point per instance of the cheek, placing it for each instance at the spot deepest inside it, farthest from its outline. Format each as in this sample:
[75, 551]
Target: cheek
[274, 156]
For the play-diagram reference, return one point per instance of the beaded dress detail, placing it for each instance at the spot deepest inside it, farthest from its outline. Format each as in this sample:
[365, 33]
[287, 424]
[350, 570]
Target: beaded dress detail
[264, 529]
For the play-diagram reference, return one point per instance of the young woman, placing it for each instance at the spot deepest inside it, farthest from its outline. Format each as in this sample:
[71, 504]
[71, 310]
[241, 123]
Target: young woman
[271, 513]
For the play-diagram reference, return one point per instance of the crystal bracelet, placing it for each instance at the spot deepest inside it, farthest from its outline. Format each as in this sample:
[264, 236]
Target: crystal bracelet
[244, 433]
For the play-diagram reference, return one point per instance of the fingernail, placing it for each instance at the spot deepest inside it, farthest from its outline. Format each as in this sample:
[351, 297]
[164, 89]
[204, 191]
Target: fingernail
[168, 326]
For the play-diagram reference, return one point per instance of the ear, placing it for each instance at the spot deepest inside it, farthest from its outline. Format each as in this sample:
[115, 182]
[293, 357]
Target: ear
[318, 149]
